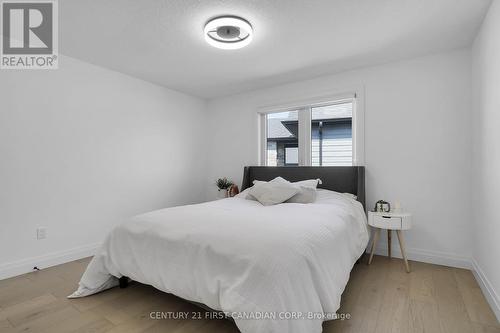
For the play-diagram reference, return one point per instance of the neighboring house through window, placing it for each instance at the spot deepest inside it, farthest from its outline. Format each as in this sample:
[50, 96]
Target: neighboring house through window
[331, 135]
[320, 134]
[282, 138]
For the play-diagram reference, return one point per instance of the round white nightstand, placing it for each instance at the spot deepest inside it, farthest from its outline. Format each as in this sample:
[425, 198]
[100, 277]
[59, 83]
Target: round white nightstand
[389, 221]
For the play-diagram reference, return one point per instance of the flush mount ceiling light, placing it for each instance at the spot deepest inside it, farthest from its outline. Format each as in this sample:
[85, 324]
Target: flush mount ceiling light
[228, 32]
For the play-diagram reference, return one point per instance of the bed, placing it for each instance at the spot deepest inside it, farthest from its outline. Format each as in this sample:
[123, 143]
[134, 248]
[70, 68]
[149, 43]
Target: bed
[279, 268]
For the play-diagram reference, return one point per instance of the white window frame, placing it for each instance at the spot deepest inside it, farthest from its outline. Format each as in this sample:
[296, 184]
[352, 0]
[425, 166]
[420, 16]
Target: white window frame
[304, 115]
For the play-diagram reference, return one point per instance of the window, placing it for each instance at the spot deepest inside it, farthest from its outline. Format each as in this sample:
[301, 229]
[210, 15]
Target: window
[331, 135]
[282, 137]
[323, 133]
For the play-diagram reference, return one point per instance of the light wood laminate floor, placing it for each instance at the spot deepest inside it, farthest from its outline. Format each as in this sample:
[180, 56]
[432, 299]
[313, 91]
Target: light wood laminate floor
[379, 298]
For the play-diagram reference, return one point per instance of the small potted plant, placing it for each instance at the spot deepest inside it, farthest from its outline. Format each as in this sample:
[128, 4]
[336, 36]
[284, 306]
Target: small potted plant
[223, 186]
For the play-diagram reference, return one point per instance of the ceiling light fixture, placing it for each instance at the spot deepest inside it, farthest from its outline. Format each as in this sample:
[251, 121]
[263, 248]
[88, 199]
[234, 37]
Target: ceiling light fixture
[228, 32]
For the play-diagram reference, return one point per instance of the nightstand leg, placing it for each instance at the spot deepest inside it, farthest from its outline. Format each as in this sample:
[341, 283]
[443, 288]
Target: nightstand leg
[402, 246]
[374, 244]
[389, 242]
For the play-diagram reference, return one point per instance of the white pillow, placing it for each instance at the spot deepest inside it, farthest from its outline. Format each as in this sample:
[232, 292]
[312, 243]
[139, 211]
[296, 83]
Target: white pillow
[305, 195]
[244, 194]
[306, 189]
[309, 183]
[277, 180]
[273, 193]
[326, 195]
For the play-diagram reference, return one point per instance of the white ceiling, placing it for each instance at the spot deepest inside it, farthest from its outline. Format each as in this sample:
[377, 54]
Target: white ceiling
[162, 40]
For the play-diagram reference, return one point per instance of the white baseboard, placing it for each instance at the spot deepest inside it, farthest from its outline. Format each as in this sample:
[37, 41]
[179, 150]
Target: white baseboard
[450, 260]
[56, 258]
[431, 257]
[487, 288]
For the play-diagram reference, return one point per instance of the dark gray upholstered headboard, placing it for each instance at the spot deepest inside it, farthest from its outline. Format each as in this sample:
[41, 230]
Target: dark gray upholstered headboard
[350, 179]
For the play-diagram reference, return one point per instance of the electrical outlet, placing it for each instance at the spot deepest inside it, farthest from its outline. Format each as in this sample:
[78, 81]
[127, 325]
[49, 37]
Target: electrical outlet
[41, 233]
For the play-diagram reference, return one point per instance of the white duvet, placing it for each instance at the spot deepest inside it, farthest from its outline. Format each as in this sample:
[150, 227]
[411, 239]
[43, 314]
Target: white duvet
[238, 256]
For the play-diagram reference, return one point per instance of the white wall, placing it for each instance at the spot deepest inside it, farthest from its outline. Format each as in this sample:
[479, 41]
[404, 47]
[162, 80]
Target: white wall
[418, 143]
[81, 149]
[486, 155]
